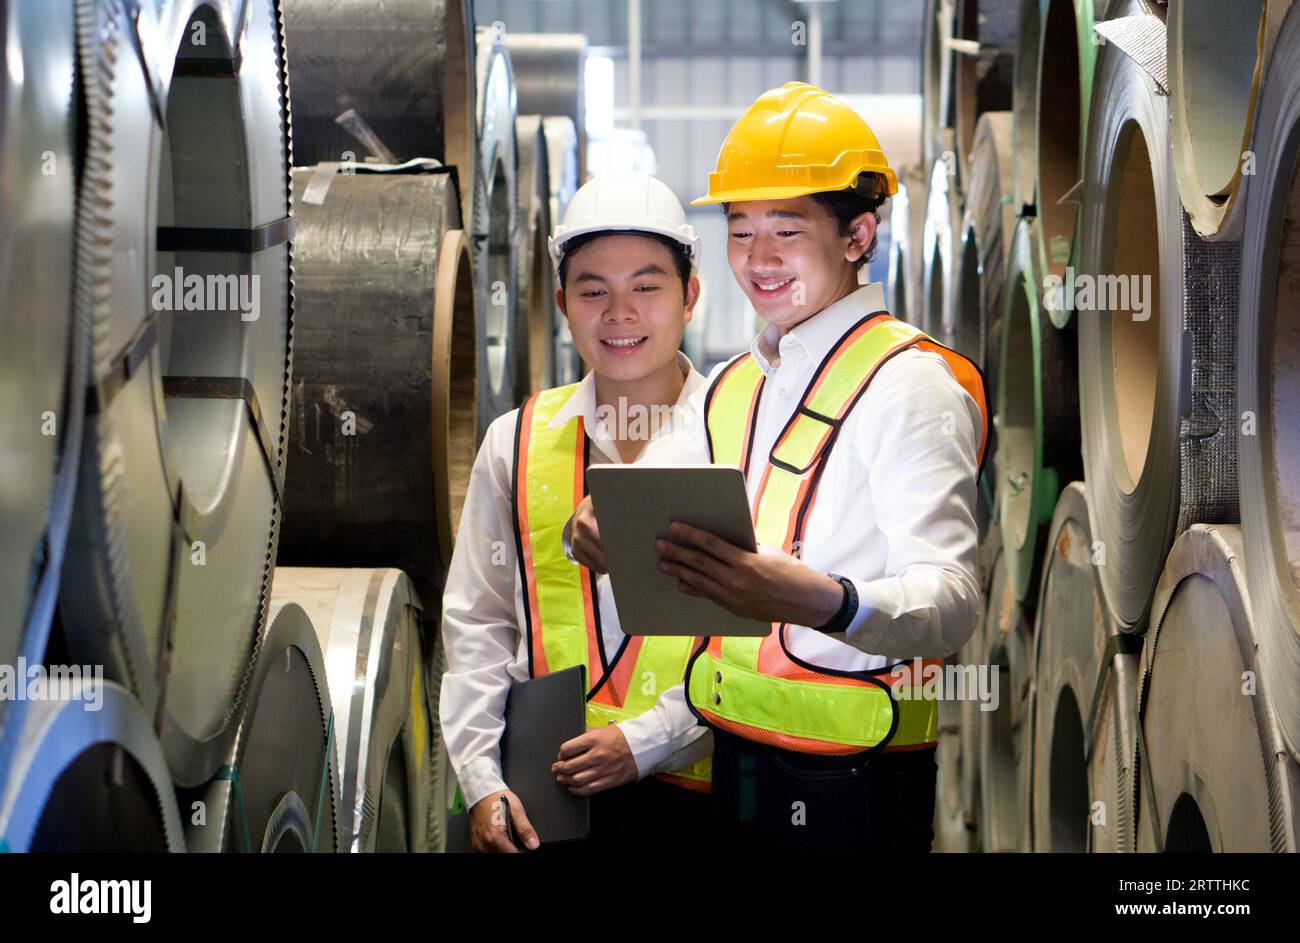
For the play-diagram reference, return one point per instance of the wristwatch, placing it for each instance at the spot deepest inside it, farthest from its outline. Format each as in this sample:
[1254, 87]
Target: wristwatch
[848, 608]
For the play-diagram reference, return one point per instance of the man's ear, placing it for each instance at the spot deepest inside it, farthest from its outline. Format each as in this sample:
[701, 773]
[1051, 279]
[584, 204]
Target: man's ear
[862, 230]
[692, 296]
[559, 301]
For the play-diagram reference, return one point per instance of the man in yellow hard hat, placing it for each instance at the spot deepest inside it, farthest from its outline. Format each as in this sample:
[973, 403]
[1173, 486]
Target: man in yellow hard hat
[861, 440]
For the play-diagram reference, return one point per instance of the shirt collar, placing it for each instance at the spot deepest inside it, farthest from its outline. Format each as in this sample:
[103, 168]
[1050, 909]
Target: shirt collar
[583, 401]
[817, 335]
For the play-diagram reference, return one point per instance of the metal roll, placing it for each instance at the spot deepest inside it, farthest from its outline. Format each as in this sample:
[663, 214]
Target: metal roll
[537, 313]
[383, 431]
[1086, 678]
[936, 76]
[950, 832]
[1217, 60]
[1024, 104]
[939, 243]
[368, 623]
[1005, 734]
[502, 371]
[43, 330]
[1213, 770]
[983, 67]
[1157, 412]
[385, 59]
[550, 79]
[972, 653]
[1038, 416]
[88, 775]
[278, 790]
[1268, 383]
[444, 797]
[562, 171]
[906, 227]
[177, 512]
[1066, 57]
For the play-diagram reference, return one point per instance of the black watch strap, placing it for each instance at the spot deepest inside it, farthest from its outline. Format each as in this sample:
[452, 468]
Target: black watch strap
[848, 608]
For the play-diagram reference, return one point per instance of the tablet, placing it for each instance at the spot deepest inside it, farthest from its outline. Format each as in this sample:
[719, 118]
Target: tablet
[634, 505]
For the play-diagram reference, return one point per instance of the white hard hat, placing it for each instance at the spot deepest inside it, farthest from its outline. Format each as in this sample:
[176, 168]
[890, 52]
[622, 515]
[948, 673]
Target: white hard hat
[625, 201]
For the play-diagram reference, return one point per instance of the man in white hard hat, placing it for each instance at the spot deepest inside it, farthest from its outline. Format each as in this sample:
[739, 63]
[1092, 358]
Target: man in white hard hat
[515, 606]
[861, 439]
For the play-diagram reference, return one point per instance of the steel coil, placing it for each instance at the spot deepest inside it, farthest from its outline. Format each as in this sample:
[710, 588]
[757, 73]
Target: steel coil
[906, 227]
[984, 70]
[177, 511]
[278, 790]
[562, 170]
[1213, 770]
[502, 372]
[383, 430]
[537, 311]
[1157, 412]
[939, 244]
[1086, 679]
[1038, 416]
[88, 775]
[550, 79]
[43, 330]
[936, 76]
[1005, 733]
[1268, 382]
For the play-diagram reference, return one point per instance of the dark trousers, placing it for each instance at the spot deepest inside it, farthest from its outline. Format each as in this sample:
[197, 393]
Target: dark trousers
[768, 799]
[647, 813]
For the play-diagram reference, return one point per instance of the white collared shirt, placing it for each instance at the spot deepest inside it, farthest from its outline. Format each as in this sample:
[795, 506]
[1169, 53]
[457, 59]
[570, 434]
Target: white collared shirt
[895, 508]
[483, 603]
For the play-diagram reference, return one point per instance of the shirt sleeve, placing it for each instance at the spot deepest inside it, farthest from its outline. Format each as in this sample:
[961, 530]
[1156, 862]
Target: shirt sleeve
[919, 447]
[479, 624]
[668, 736]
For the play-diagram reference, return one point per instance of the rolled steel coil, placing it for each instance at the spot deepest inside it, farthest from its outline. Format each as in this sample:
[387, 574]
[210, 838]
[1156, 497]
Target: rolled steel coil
[939, 245]
[1005, 733]
[1024, 105]
[562, 171]
[384, 59]
[1157, 412]
[537, 311]
[88, 775]
[1086, 677]
[278, 790]
[906, 227]
[1213, 770]
[936, 76]
[550, 79]
[1217, 58]
[1268, 383]
[502, 371]
[1038, 416]
[383, 430]
[1063, 89]
[444, 798]
[179, 495]
[43, 327]
[369, 624]
[983, 73]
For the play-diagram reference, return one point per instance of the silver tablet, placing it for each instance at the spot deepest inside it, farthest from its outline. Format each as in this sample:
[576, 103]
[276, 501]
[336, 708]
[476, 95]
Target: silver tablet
[634, 505]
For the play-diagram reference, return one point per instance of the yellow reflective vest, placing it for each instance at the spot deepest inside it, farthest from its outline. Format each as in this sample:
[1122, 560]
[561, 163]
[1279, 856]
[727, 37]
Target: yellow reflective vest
[756, 687]
[561, 611]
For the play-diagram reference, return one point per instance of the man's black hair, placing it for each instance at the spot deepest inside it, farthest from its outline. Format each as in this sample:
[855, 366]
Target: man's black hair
[679, 253]
[867, 195]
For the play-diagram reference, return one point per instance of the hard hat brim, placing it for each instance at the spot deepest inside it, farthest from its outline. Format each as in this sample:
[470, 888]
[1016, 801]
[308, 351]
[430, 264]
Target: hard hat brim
[754, 194]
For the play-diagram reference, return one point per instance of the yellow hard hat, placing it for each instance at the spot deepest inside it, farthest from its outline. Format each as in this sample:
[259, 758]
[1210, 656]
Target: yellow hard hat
[795, 140]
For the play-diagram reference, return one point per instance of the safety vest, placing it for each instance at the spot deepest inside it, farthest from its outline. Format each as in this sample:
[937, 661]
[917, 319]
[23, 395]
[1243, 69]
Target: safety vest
[562, 614]
[756, 687]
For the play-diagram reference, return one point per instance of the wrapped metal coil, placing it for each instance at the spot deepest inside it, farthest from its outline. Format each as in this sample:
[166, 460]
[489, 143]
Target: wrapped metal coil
[43, 330]
[983, 68]
[1006, 733]
[1213, 770]
[906, 228]
[1063, 92]
[1086, 677]
[550, 79]
[368, 623]
[1024, 105]
[1038, 416]
[537, 310]
[502, 371]
[972, 653]
[88, 775]
[383, 431]
[936, 76]
[939, 244]
[178, 502]
[278, 790]
[1156, 345]
[562, 170]
[1268, 383]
